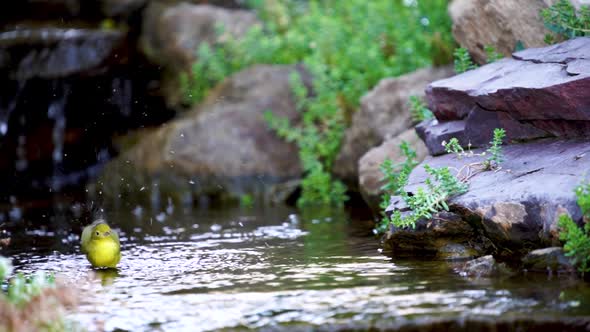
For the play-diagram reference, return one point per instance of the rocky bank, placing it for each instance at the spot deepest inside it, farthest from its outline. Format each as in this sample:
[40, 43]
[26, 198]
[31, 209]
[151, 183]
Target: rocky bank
[541, 97]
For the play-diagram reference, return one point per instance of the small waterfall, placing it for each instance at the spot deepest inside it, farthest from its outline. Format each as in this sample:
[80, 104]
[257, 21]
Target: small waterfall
[122, 95]
[56, 112]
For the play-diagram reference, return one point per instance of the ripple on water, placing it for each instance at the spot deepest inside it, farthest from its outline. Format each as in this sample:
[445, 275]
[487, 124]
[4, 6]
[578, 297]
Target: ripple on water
[265, 273]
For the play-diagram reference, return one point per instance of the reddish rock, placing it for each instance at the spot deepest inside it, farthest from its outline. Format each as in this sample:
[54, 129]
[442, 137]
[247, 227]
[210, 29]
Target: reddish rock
[540, 92]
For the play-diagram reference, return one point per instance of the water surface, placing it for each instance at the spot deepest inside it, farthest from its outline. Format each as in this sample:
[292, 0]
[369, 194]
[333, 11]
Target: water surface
[272, 268]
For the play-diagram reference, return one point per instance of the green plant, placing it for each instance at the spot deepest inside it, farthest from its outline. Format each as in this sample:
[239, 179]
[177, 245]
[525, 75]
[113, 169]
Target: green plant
[463, 60]
[577, 241]
[453, 146]
[418, 109]
[31, 303]
[565, 21]
[398, 37]
[495, 153]
[395, 177]
[441, 185]
[491, 54]
[246, 201]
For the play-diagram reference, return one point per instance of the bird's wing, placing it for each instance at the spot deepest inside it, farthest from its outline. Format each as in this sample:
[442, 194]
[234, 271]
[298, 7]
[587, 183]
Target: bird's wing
[115, 236]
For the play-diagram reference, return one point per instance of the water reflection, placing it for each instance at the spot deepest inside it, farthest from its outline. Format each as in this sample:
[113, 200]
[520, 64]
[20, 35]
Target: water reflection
[235, 269]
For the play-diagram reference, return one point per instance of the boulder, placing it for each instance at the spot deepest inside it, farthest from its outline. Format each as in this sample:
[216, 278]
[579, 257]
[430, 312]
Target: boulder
[52, 53]
[485, 267]
[222, 147]
[171, 34]
[499, 23]
[539, 93]
[550, 259]
[384, 114]
[370, 175]
[518, 206]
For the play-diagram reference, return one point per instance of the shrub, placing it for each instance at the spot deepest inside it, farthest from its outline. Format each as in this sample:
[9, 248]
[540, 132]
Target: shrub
[348, 46]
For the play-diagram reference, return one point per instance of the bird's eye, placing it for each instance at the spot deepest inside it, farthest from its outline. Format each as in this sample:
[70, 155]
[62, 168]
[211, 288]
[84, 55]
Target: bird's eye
[97, 233]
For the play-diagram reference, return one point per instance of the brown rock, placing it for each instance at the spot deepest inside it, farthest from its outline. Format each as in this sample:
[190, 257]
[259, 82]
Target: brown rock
[172, 34]
[499, 23]
[384, 114]
[223, 146]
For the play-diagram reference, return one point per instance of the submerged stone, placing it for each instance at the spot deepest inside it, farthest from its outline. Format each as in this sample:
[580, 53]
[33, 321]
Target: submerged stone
[550, 259]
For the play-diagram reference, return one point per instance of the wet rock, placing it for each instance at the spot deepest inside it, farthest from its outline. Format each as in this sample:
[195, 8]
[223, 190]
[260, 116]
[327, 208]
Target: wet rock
[52, 53]
[223, 146]
[370, 175]
[446, 236]
[500, 23]
[384, 114]
[518, 206]
[171, 34]
[485, 267]
[550, 259]
[533, 95]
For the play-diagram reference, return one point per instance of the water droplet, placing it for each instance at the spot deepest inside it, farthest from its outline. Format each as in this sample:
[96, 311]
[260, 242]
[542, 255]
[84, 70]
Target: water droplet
[191, 182]
[161, 217]
[142, 189]
[3, 128]
[216, 227]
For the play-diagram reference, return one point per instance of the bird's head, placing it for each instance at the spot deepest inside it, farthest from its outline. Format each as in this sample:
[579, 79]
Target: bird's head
[101, 231]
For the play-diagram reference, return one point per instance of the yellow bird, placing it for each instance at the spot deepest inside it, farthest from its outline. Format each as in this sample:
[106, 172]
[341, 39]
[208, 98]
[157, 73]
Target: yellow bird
[101, 245]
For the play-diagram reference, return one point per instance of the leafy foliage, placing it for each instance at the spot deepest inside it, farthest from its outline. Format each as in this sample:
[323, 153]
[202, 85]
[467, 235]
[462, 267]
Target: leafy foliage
[397, 37]
[453, 146]
[577, 241]
[491, 54]
[495, 154]
[418, 109]
[563, 19]
[463, 60]
[396, 177]
[31, 303]
[440, 186]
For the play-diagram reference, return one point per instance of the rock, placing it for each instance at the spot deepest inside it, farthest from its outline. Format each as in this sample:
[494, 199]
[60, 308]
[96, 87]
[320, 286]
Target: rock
[446, 237]
[518, 206]
[370, 175]
[224, 146]
[171, 34]
[433, 134]
[550, 259]
[485, 267]
[384, 114]
[499, 23]
[52, 53]
[533, 95]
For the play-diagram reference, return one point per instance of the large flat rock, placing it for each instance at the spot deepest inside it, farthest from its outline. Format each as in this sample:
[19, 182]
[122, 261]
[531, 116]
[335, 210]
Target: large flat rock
[540, 92]
[518, 206]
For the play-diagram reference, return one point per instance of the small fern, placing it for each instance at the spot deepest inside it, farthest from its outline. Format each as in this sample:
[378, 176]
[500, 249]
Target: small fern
[418, 109]
[463, 60]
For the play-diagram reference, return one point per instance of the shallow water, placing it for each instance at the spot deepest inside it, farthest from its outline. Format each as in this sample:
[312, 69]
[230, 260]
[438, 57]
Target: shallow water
[272, 268]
